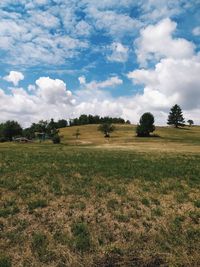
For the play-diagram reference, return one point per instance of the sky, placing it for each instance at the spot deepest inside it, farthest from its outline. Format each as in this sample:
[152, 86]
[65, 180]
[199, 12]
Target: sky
[121, 58]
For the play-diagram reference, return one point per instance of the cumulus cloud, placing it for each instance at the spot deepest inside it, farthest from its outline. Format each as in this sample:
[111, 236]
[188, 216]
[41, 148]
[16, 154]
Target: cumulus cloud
[156, 41]
[14, 77]
[119, 52]
[49, 98]
[172, 81]
[52, 91]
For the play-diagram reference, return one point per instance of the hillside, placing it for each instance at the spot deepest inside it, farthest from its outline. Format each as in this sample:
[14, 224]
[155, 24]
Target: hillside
[124, 137]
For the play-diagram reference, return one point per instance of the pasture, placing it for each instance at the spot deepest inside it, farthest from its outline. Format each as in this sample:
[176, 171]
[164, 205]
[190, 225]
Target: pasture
[125, 201]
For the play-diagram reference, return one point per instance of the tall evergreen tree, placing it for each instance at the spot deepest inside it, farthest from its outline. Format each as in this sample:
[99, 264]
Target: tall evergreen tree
[176, 116]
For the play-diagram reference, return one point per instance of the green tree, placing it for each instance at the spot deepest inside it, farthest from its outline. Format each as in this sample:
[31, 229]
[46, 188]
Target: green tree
[176, 117]
[190, 122]
[106, 128]
[28, 133]
[62, 123]
[10, 129]
[146, 125]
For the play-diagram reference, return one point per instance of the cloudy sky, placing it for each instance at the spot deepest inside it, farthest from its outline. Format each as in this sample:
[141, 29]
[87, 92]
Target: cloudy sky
[63, 58]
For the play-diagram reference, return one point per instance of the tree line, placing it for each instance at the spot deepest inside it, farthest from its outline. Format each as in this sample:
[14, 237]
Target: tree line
[41, 130]
[90, 119]
[50, 129]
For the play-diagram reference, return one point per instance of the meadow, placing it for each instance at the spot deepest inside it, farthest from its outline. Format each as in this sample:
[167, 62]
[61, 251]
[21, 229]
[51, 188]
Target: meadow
[90, 201]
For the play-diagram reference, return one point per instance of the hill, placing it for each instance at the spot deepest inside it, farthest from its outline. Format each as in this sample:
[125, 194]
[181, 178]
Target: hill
[124, 137]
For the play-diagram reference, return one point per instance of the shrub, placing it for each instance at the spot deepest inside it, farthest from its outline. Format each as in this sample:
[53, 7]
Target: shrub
[146, 125]
[56, 139]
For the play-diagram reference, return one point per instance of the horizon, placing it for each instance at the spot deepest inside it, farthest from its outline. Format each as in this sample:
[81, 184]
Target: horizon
[89, 57]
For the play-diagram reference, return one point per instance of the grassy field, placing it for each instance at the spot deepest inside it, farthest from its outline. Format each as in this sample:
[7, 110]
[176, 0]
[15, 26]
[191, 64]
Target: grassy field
[92, 202]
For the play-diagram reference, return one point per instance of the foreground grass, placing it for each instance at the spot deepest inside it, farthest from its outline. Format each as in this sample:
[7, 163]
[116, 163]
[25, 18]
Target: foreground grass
[79, 206]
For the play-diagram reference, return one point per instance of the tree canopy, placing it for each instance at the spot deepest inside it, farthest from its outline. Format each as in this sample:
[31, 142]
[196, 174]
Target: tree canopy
[106, 128]
[10, 129]
[190, 122]
[90, 119]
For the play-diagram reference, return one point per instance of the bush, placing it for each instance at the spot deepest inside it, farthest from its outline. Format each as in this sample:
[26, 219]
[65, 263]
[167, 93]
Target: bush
[146, 125]
[56, 139]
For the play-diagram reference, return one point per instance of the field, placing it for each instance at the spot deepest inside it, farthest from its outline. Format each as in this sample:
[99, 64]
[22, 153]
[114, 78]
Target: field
[126, 201]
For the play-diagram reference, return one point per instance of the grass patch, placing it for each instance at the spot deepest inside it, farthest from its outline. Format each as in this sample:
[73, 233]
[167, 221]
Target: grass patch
[81, 235]
[39, 203]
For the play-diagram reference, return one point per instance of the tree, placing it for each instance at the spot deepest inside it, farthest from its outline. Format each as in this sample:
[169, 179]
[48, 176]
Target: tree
[176, 116]
[106, 128]
[10, 129]
[28, 133]
[62, 123]
[146, 125]
[77, 133]
[190, 122]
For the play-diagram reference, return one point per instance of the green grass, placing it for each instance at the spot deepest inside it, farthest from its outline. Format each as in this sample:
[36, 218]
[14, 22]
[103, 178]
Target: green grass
[78, 204]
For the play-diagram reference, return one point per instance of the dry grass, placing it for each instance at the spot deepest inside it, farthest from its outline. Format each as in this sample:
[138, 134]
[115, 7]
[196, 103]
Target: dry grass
[129, 202]
[169, 139]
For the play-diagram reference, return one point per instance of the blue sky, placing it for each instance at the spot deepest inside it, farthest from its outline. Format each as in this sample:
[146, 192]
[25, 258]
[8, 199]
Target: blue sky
[121, 58]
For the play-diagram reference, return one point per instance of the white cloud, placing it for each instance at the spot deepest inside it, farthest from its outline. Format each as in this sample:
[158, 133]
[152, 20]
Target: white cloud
[14, 77]
[119, 52]
[154, 10]
[49, 98]
[156, 41]
[82, 28]
[53, 91]
[43, 19]
[111, 82]
[113, 23]
[172, 81]
[196, 31]
[82, 80]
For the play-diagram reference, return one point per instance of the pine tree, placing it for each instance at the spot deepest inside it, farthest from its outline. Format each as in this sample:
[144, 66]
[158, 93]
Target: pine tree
[176, 116]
